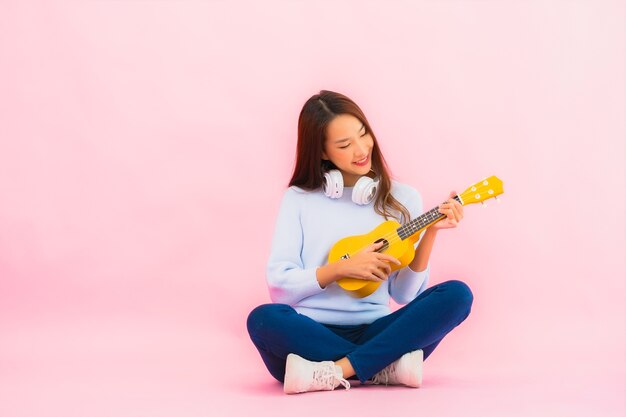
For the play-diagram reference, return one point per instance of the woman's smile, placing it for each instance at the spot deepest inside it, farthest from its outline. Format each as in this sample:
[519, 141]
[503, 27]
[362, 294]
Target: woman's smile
[362, 162]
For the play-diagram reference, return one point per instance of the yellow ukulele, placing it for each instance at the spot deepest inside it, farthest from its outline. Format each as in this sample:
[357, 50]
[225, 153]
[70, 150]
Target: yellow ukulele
[399, 240]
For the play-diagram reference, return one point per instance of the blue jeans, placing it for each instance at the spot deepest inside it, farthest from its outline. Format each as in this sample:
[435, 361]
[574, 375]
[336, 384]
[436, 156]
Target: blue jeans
[278, 330]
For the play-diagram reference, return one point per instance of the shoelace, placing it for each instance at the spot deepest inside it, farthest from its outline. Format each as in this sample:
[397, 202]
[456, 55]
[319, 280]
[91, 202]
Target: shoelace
[325, 376]
[382, 377]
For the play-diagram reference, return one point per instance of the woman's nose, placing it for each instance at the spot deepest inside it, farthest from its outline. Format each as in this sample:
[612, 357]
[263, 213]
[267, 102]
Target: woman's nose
[361, 149]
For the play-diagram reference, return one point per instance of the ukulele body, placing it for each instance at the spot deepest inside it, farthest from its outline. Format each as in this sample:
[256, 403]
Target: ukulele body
[403, 250]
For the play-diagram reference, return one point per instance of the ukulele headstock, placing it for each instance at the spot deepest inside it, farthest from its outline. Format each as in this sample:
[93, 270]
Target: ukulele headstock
[483, 190]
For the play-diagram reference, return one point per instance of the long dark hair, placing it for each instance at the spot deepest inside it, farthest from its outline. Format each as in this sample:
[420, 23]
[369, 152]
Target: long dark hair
[308, 174]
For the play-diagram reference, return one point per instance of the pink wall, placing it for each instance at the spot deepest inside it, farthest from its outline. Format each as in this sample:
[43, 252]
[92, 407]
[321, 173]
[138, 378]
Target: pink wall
[144, 147]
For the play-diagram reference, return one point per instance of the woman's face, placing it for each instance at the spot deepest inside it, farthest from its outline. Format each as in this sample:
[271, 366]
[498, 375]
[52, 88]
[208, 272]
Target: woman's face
[349, 146]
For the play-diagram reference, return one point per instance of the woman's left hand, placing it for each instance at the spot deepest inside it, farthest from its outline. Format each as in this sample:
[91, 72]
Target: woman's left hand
[453, 211]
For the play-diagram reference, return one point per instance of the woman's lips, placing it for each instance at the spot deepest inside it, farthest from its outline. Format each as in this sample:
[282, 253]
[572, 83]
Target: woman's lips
[365, 161]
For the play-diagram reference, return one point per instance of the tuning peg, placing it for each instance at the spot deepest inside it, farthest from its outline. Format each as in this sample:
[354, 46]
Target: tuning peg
[484, 204]
[497, 200]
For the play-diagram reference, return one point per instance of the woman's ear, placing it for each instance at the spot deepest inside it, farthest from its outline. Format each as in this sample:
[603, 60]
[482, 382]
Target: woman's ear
[324, 156]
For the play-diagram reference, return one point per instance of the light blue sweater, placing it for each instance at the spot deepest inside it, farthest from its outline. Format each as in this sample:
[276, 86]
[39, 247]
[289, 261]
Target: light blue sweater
[307, 226]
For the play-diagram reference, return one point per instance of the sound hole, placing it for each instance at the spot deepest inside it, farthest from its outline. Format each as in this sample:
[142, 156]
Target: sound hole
[385, 245]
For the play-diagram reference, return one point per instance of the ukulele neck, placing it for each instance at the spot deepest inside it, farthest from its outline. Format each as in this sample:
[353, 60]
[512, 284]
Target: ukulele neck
[422, 221]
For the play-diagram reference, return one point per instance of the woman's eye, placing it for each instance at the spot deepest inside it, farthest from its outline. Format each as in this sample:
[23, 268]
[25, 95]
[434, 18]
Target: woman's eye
[344, 147]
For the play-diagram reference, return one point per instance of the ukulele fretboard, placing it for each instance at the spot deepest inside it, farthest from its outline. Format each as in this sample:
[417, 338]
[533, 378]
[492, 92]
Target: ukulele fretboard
[422, 221]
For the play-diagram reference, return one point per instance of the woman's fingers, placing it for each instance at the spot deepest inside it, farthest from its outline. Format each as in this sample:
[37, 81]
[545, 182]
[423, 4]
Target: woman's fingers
[452, 209]
[377, 274]
[374, 266]
[378, 271]
[388, 258]
[446, 209]
[374, 246]
[458, 211]
[384, 266]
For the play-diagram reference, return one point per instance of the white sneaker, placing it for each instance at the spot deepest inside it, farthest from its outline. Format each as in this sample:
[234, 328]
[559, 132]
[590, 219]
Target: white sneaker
[405, 371]
[302, 375]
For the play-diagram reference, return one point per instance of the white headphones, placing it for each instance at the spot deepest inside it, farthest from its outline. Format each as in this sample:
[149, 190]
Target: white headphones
[363, 192]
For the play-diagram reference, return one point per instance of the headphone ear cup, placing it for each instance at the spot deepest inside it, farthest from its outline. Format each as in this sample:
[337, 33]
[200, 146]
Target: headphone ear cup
[333, 183]
[364, 190]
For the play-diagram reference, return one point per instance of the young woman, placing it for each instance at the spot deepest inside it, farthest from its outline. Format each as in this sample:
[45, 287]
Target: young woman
[315, 335]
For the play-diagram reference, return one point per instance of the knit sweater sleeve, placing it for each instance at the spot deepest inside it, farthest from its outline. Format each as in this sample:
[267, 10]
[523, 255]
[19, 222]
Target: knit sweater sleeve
[407, 284]
[288, 280]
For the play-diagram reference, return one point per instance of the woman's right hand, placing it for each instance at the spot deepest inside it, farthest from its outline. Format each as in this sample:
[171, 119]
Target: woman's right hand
[368, 264]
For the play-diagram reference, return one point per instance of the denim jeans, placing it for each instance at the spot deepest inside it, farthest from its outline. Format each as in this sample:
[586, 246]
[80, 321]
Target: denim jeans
[278, 330]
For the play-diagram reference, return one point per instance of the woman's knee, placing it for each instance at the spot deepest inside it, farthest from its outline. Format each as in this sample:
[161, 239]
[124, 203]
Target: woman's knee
[461, 293]
[265, 313]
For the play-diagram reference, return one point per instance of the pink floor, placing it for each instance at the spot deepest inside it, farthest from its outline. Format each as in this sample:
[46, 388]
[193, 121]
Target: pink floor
[65, 367]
